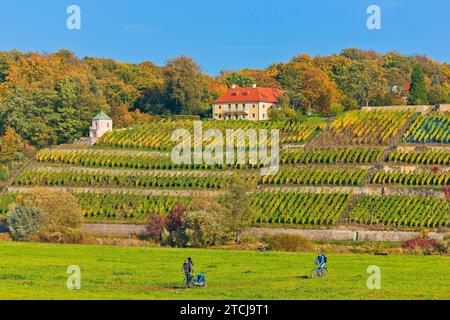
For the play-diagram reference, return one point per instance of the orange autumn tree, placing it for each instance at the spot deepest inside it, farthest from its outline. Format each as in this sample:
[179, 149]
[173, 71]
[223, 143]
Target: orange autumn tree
[10, 145]
[309, 88]
[319, 92]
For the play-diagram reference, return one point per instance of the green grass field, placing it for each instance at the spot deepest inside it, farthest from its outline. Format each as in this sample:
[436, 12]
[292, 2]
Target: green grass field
[38, 271]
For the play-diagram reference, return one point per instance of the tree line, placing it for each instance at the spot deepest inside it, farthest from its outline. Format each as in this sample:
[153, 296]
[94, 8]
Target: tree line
[50, 98]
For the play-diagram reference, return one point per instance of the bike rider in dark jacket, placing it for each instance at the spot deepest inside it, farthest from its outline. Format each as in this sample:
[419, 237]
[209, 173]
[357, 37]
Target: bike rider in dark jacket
[188, 267]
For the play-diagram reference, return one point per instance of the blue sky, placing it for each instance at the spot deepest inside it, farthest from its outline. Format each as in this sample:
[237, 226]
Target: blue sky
[225, 34]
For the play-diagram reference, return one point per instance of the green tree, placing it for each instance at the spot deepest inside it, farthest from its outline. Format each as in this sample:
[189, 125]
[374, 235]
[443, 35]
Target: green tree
[418, 91]
[275, 114]
[237, 202]
[439, 94]
[204, 228]
[186, 89]
[240, 80]
[25, 223]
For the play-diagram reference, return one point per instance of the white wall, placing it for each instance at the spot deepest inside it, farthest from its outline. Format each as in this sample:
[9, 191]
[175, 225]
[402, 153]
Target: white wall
[100, 127]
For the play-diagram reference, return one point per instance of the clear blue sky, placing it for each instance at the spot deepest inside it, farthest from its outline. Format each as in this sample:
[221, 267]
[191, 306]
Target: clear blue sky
[227, 34]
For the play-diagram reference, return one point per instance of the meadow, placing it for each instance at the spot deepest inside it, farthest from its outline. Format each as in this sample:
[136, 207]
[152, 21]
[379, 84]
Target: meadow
[38, 271]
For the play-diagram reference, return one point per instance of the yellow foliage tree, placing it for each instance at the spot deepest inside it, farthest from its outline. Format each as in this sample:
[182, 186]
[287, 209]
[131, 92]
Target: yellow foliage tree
[11, 144]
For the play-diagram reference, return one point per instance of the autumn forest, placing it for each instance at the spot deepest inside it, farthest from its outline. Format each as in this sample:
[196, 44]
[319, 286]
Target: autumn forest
[49, 99]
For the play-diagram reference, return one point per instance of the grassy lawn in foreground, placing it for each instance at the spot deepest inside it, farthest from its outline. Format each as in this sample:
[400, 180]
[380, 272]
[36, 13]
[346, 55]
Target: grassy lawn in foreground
[38, 271]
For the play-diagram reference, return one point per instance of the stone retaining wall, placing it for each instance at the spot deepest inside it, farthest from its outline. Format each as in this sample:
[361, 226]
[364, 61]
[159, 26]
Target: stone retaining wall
[349, 235]
[113, 229]
[420, 108]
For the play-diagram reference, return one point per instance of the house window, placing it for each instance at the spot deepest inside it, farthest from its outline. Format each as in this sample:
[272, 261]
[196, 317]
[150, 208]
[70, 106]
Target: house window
[263, 116]
[107, 125]
[220, 107]
[220, 116]
[229, 107]
[236, 105]
[253, 115]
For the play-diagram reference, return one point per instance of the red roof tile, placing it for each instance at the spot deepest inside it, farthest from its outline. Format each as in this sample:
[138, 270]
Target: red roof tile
[250, 95]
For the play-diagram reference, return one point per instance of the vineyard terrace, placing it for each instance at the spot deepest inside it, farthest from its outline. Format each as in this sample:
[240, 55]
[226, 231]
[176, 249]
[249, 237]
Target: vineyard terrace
[209, 147]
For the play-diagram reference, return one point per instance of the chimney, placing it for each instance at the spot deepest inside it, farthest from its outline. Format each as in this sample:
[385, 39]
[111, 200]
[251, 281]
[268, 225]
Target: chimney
[254, 85]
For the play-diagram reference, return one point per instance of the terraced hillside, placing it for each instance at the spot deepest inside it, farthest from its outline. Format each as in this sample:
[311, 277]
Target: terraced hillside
[362, 167]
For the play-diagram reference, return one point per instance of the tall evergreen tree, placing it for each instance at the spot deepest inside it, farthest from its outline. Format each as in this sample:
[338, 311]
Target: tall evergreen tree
[418, 91]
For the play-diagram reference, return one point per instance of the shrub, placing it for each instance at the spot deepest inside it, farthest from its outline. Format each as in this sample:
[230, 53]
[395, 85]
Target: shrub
[275, 114]
[173, 233]
[181, 117]
[29, 151]
[287, 242]
[155, 227]
[62, 235]
[442, 247]
[200, 225]
[6, 201]
[62, 214]
[174, 219]
[5, 237]
[204, 228]
[169, 229]
[25, 223]
[336, 108]
[420, 243]
[4, 173]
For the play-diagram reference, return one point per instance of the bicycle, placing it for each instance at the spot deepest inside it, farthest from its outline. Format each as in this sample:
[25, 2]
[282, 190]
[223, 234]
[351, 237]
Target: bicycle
[317, 272]
[188, 281]
[197, 281]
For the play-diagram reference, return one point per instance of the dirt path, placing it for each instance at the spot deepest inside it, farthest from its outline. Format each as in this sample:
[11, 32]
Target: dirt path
[144, 192]
[314, 189]
[319, 189]
[131, 171]
[370, 190]
[110, 151]
[14, 176]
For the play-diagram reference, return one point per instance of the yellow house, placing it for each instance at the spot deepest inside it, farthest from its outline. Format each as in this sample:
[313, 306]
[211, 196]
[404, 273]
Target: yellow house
[246, 103]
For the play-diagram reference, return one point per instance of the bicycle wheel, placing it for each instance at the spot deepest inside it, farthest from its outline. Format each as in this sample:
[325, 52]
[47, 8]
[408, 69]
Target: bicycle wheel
[313, 273]
[186, 284]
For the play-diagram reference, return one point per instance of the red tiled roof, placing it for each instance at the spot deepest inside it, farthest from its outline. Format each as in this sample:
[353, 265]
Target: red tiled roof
[250, 95]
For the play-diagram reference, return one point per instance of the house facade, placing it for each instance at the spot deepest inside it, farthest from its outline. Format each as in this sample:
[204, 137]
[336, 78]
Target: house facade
[101, 124]
[246, 103]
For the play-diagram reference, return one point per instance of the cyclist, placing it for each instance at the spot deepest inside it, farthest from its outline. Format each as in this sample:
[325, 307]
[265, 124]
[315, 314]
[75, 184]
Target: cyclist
[188, 269]
[321, 261]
